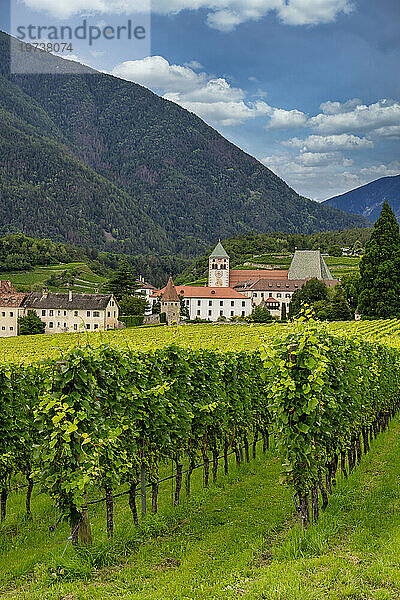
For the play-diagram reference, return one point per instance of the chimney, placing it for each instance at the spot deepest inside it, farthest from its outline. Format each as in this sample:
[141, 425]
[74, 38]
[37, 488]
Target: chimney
[70, 296]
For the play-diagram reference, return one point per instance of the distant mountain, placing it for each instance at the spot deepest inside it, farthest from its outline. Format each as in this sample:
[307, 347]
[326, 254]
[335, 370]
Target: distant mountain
[367, 200]
[98, 161]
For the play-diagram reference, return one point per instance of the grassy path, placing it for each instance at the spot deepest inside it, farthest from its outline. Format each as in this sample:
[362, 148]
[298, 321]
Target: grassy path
[240, 540]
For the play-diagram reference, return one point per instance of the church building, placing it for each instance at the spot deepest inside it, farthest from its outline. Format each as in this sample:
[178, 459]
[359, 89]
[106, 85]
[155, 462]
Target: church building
[273, 287]
[235, 292]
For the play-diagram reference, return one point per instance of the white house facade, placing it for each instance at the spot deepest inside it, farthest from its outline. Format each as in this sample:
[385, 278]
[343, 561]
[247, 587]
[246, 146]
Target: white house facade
[10, 309]
[211, 303]
[61, 312]
[68, 312]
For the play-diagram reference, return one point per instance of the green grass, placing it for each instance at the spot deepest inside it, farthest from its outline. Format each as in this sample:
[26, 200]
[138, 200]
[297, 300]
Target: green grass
[239, 539]
[24, 280]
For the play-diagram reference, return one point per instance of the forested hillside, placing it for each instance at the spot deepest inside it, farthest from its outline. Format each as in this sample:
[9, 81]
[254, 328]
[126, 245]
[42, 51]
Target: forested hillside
[97, 160]
[20, 255]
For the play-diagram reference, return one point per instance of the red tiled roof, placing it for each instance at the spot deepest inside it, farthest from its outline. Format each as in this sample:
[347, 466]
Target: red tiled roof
[277, 285]
[273, 300]
[188, 291]
[238, 275]
[6, 287]
[11, 300]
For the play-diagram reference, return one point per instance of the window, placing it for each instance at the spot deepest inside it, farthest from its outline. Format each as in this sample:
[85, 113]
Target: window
[114, 313]
[209, 313]
[221, 313]
[262, 294]
[3, 314]
[243, 302]
[51, 325]
[51, 313]
[88, 313]
[75, 326]
[112, 303]
[232, 313]
[221, 302]
[279, 295]
[3, 328]
[287, 295]
[255, 294]
[65, 313]
[11, 328]
[96, 313]
[58, 324]
[65, 326]
[232, 303]
[87, 325]
[270, 295]
[95, 326]
[198, 302]
[11, 314]
[210, 303]
[58, 313]
[198, 313]
[243, 313]
[43, 313]
[75, 313]
[108, 314]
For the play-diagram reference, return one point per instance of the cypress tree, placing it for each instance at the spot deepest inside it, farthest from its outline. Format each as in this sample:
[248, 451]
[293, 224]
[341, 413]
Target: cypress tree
[380, 269]
[283, 312]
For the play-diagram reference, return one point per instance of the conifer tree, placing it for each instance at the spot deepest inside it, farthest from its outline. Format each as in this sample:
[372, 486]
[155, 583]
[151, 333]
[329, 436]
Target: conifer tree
[283, 312]
[380, 269]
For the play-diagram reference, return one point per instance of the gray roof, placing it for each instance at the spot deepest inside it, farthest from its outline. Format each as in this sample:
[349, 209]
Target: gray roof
[307, 264]
[219, 252]
[62, 301]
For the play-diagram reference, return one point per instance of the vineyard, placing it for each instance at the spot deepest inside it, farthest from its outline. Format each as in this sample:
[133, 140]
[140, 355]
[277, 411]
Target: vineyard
[108, 420]
[231, 337]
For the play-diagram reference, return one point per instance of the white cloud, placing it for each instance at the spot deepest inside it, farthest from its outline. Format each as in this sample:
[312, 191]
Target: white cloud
[382, 170]
[286, 119]
[361, 118]
[156, 72]
[211, 98]
[221, 113]
[306, 171]
[224, 15]
[392, 132]
[334, 108]
[194, 64]
[320, 143]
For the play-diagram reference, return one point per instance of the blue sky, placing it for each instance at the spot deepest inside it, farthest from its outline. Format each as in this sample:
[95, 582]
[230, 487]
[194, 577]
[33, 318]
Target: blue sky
[309, 87]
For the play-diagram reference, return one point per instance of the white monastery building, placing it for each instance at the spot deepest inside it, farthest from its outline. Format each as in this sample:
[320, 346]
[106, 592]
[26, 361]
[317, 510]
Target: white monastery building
[61, 312]
[235, 292]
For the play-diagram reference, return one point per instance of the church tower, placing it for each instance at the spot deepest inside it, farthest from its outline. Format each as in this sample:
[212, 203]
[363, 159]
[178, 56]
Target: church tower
[218, 267]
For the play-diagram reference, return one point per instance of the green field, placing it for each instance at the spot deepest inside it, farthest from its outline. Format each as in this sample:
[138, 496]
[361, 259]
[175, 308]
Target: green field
[215, 336]
[34, 348]
[85, 280]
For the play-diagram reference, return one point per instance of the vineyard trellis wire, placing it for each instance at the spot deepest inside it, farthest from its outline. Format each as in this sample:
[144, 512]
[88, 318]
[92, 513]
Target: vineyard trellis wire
[112, 414]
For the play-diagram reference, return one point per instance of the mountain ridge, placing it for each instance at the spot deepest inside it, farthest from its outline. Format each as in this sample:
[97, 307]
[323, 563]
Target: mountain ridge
[368, 199]
[132, 172]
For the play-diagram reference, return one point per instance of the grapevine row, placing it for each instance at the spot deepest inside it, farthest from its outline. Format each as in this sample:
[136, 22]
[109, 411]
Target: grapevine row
[104, 415]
